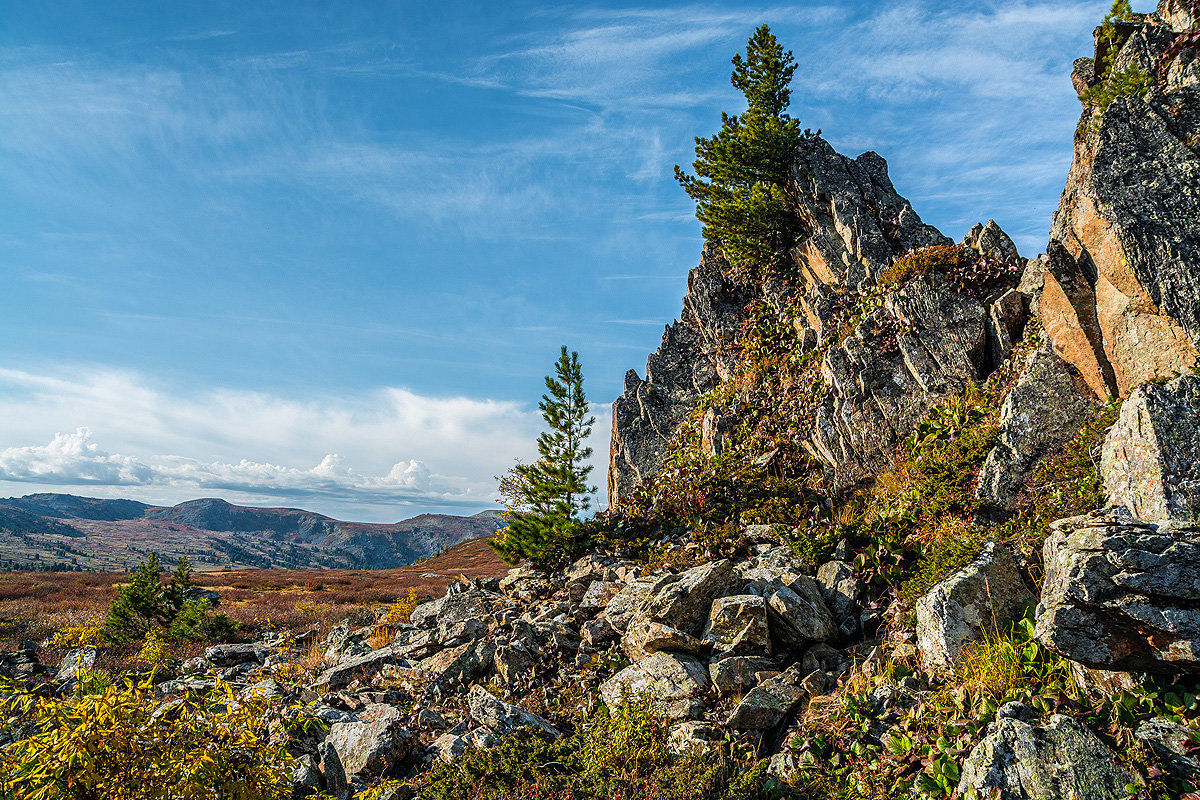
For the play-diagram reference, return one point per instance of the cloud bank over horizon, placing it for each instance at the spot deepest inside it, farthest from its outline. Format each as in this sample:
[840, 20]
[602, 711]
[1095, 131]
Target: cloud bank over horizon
[379, 457]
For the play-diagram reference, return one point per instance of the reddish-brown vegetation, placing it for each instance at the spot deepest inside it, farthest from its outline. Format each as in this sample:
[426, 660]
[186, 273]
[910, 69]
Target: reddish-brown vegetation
[33, 605]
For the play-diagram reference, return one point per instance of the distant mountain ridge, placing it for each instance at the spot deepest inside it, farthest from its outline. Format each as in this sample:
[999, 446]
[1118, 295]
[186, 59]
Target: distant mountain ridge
[68, 532]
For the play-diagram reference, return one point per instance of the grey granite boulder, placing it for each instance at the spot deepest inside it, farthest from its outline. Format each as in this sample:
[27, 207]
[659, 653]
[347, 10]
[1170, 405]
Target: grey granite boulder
[463, 601]
[767, 704]
[672, 680]
[839, 587]
[341, 675]
[798, 615]
[74, 661]
[1168, 740]
[1122, 594]
[691, 736]
[460, 664]
[625, 603]
[976, 601]
[504, 718]
[738, 624]
[738, 674]
[514, 662]
[231, 655]
[1151, 456]
[682, 604]
[374, 745]
[1023, 759]
[656, 636]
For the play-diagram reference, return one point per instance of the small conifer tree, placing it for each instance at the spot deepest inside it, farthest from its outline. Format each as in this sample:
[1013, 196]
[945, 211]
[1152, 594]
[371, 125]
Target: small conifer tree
[742, 185]
[138, 604]
[545, 499]
[179, 587]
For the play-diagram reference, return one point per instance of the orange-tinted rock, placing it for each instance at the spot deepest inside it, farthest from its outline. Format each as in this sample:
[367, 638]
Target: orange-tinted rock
[1122, 291]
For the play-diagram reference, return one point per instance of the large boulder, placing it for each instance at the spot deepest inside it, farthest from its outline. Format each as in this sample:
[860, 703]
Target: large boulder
[798, 615]
[624, 604]
[74, 662]
[374, 745]
[738, 624]
[504, 718]
[460, 664]
[1122, 594]
[463, 601]
[738, 674]
[767, 704]
[682, 604]
[839, 587]
[1151, 456]
[232, 655]
[341, 675]
[1023, 759]
[858, 223]
[976, 601]
[1049, 404]
[672, 680]
[1121, 300]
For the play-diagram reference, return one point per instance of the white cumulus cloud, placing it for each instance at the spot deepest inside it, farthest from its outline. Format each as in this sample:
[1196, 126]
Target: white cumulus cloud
[380, 455]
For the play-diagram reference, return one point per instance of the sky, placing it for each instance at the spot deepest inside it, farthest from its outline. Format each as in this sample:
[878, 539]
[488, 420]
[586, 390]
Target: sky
[321, 254]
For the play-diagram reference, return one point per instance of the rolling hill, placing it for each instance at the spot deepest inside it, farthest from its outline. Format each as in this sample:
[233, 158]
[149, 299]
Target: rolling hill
[67, 532]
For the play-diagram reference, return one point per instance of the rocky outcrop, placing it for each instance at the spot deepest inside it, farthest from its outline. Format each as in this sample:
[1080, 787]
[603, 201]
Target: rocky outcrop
[1121, 300]
[693, 359]
[1121, 594]
[1049, 404]
[858, 225]
[977, 601]
[1150, 460]
[924, 346]
[1023, 759]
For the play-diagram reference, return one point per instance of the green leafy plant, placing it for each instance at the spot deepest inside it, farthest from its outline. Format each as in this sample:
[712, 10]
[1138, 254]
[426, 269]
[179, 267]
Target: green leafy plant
[111, 742]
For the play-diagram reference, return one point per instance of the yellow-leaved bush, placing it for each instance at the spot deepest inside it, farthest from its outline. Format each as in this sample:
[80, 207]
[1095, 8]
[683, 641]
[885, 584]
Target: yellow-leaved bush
[117, 744]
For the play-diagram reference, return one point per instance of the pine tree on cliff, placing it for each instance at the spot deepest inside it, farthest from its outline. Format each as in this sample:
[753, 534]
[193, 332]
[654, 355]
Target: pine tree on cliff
[742, 184]
[545, 499]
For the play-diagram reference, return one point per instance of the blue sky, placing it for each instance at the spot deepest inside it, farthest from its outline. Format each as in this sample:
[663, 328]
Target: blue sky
[321, 254]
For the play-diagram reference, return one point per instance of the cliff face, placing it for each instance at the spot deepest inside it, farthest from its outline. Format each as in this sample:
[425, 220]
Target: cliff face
[1122, 290]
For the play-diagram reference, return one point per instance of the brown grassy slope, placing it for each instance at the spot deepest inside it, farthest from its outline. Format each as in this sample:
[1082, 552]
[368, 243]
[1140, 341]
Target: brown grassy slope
[33, 605]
